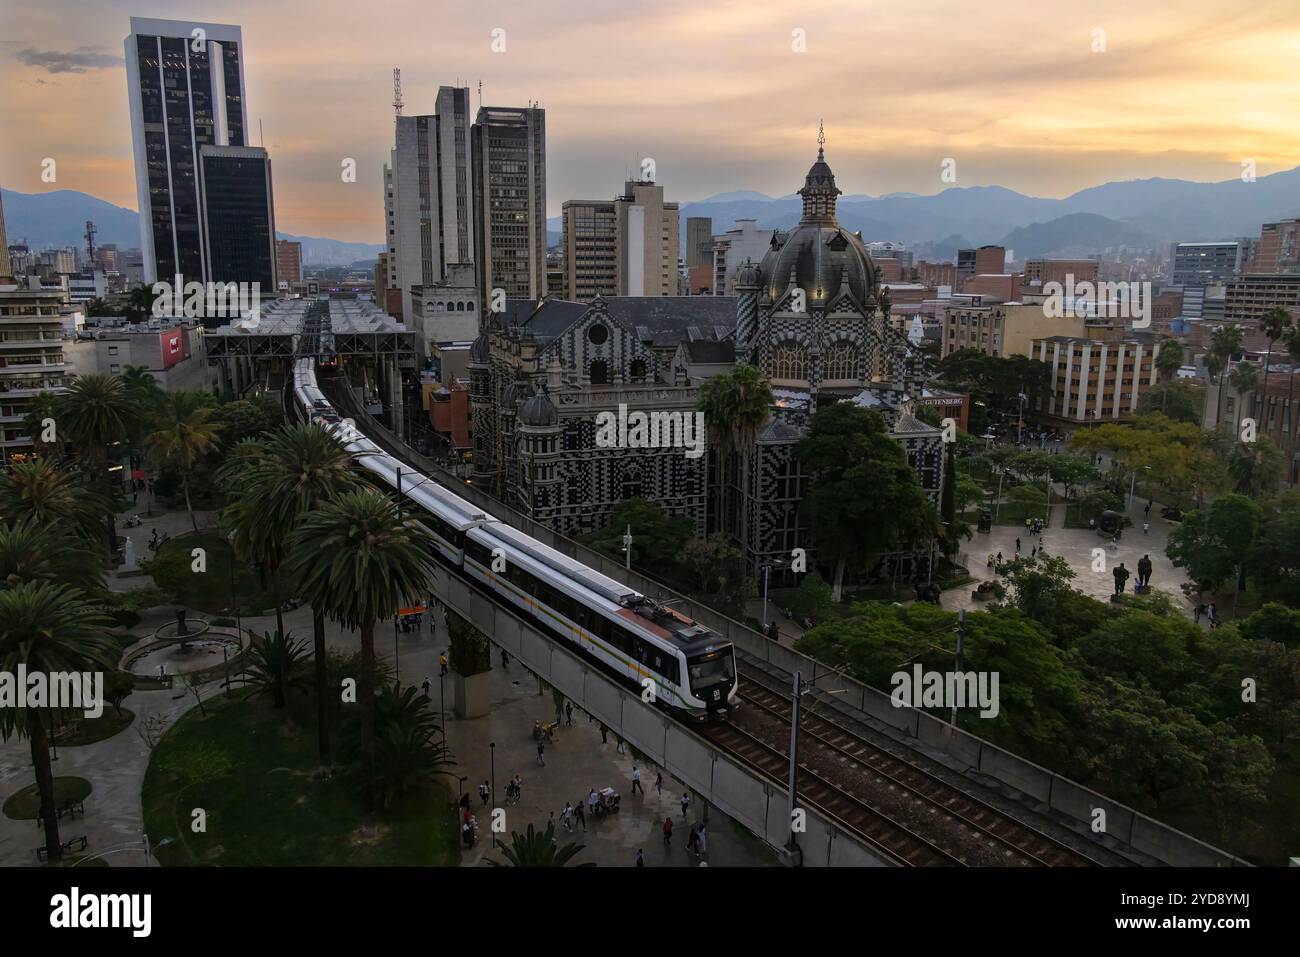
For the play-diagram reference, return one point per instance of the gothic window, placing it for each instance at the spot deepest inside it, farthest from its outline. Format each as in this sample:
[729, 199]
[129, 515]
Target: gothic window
[789, 361]
[599, 372]
[840, 361]
[631, 484]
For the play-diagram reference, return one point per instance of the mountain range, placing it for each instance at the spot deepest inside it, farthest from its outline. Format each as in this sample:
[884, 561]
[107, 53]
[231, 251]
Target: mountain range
[1135, 213]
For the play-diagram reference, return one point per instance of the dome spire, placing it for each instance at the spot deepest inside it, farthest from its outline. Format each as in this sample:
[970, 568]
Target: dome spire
[819, 190]
[821, 140]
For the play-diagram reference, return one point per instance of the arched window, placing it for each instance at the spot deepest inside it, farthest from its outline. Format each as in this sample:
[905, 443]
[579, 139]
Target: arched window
[439, 307]
[790, 361]
[460, 307]
[637, 369]
[841, 361]
[599, 372]
[631, 487]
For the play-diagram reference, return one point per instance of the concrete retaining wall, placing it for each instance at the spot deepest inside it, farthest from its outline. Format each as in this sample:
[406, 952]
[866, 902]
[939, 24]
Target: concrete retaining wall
[1068, 797]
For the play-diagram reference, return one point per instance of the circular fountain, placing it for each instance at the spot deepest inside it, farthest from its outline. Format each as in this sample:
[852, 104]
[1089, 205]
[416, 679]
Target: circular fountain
[182, 646]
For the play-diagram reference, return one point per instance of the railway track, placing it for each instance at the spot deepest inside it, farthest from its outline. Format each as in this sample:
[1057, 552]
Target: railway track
[1015, 842]
[895, 840]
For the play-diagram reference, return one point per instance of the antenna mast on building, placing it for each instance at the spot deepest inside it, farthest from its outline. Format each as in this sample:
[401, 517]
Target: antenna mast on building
[397, 91]
[90, 242]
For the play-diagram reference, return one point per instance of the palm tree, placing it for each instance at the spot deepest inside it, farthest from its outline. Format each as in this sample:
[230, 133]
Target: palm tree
[1273, 324]
[140, 303]
[1168, 362]
[184, 436]
[39, 490]
[274, 666]
[407, 750]
[48, 628]
[359, 563]
[1291, 341]
[95, 414]
[537, 850]
[735, 406]
[1225, 342]
[1244, 378]
[32, 551]
[285, 477]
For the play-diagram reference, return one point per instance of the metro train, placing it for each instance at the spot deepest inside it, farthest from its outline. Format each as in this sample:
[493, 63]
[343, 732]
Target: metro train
[687, 668]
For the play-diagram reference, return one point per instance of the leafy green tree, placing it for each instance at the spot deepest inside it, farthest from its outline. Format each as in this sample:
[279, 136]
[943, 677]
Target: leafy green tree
[1272, 621]
[252, 418]
[1274, 562]
[1212, 543]
[408, 752]
[537, 849]
[849, 449]
[1071, 472]
[469, 651]
[812, 599]
[1040, 588]
[1239, 771]
[1180, 399]
[1170, 359]
[118, 686]
[657, 537]
[278, 482]
[1256, 467]
[47, 628]
[185, 434]
[716, 569]
[359, 563]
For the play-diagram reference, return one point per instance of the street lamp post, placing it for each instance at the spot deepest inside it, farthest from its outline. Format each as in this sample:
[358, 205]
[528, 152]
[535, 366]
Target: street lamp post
[627, 548]
[767, 568]
[794, 757]
[492, 751]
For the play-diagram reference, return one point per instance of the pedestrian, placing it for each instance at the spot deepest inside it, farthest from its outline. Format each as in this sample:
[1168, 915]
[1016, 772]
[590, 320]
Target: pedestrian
[636, 781]
[1213, 614]
[1147, 510]
[640, 859]
[701, 842]
[541, 754]
[566, 816]
[581, 815]
[483, 792]
[622, 745]
[1017, 547]
[519, 787]
[604, 734]
[1146, 527]
[659, 783]
[1197, 612]
[686, 802]
[1121, 577]
[425, 685]
[442, 662]
[690, 842]
[568, 714]
[505, 658]
[668, 832]
[1033, 552]
[592, 800]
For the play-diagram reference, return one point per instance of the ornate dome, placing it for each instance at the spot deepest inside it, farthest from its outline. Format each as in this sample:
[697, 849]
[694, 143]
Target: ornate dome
[481, 350]
[748, 275]
[515, 393]
[822, 254]
[539, 412]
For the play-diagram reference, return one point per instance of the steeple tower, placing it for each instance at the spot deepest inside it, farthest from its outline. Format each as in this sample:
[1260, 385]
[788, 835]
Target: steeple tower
[819, 190]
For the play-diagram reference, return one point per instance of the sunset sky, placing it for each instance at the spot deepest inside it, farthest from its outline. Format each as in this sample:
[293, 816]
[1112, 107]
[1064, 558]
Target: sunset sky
[711, 90]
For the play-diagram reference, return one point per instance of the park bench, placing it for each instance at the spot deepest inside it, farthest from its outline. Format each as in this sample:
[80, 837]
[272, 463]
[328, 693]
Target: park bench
[71, 844]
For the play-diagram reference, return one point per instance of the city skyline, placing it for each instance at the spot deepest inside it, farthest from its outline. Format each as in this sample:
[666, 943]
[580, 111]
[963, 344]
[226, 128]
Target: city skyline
[1046, 116]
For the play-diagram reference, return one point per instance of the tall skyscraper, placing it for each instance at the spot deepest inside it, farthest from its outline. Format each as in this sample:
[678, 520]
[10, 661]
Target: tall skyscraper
[4, 247]
[509, 196]
[589, 240]
[185, 83]
[238, 216]
[428, 195]
[699, 241]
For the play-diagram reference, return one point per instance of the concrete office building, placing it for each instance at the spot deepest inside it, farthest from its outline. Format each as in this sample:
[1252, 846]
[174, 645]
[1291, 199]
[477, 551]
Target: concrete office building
[429, 201]
[509, 197]
[1096, 379]
[1278, 248]
[185, 91]
[288, 262]
[589, 242]
[744, 243]
[31, 358]
[1042, 271]
[5, 274]
[699, 242]
[983, 261]
[626, 246]
[1206, 264]
[1006, 329]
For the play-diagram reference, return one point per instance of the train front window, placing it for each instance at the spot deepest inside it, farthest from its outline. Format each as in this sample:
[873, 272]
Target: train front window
[713, 668]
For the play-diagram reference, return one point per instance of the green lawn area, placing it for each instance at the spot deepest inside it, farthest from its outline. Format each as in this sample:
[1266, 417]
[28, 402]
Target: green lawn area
[89, 730]
[210, 590]
[252, 770]
[23, 805]
[1011, 513]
